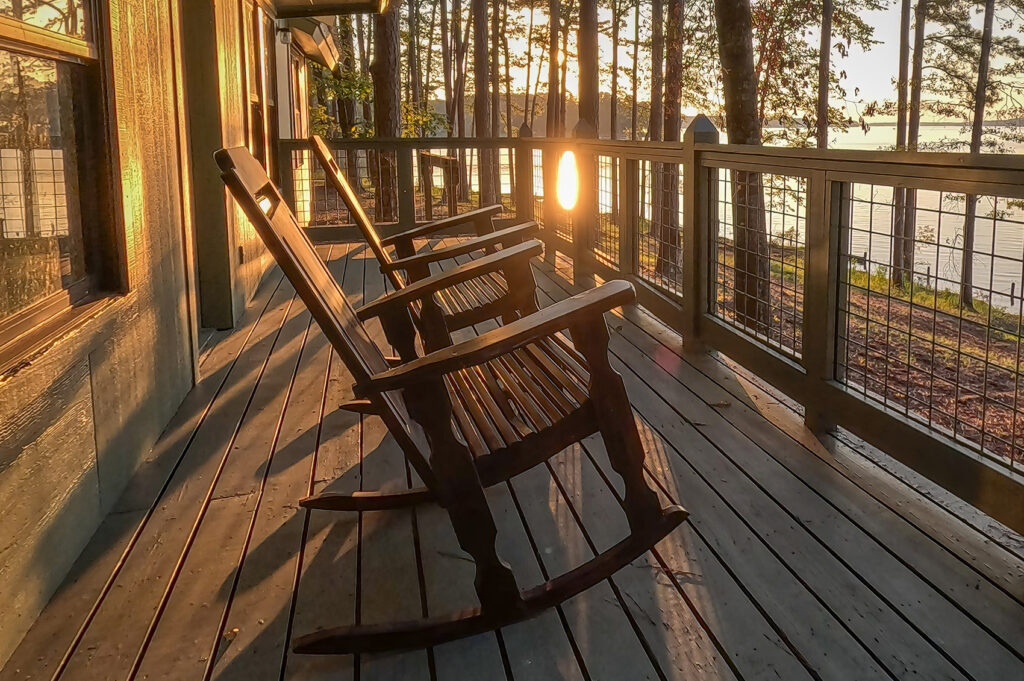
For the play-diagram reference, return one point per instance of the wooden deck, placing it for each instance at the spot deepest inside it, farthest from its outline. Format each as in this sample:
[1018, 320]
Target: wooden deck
[802, 559]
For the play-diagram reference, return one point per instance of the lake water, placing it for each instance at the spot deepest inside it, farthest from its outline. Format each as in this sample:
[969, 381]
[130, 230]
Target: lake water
[999, 227]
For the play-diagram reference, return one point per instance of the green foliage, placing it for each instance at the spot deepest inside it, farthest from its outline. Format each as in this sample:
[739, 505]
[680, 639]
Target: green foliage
[419, 120]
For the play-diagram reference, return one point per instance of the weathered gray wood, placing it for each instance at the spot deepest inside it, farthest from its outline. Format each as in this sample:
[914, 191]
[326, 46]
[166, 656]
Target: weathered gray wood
[257, 606]
[977, 597]
[327, 581]
[892, 582]
[389, 586]
[677, 640]
[138, 588]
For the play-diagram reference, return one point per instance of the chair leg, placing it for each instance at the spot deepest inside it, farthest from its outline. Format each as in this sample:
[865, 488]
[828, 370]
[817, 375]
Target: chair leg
[616, 423]
[462, 494]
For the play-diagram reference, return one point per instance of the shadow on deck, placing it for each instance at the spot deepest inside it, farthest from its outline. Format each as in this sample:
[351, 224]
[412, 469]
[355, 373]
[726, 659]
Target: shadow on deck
[802, 559]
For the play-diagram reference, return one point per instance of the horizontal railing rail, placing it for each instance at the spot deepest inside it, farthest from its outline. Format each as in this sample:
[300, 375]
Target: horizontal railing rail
[884, 291]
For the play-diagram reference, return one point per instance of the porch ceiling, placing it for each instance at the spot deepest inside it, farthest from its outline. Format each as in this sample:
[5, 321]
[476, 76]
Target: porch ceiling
[287, 9]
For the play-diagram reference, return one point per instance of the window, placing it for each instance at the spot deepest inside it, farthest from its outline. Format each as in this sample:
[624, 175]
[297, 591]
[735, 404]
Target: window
[258, 41]
[48, 77]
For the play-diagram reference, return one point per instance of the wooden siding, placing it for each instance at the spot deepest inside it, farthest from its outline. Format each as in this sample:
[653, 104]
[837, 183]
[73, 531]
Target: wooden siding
[230, 255]
[804, 558]
[78, 416]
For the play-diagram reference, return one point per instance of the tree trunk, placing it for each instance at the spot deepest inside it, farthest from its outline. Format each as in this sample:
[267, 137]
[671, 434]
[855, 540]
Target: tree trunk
[461, 41]
[481, 98]
[413, 57]
[913, 132]
[386, 105]
[977, 126]
[613, 105]
[900, 270]
[824, 71]
[667, 264]
[657, 66]
[529, 64]
[446, 66]
[551, 128]
[739, 82]
[509, 123]
[347, 106]
[589, 66]
[633, 108]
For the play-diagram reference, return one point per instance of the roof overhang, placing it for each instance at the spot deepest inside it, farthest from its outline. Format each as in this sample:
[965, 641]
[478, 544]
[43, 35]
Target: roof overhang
[289, 9]
[316, 40]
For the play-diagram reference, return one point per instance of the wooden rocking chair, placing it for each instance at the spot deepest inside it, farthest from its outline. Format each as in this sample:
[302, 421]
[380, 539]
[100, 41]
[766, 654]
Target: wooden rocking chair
[470, 415]
[467, 303]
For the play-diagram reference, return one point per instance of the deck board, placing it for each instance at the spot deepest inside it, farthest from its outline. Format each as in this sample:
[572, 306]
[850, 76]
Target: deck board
[802, 558]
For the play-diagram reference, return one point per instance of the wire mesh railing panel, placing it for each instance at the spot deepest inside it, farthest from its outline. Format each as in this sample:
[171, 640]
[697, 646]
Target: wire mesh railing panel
[372, 174]
[537, 174]
[930, 311]
[491, 180]
[606, 240]
[659, 225]
[757, 255]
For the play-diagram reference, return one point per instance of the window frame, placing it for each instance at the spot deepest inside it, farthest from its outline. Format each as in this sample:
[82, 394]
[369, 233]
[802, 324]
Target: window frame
[103, 246]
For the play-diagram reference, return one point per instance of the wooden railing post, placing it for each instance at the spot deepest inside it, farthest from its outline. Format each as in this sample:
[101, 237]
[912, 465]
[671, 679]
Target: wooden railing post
[286, 173]
[697, 208]
[629, 213]
[820, 280]
[523, 151]
[584, 216]
[406, 188]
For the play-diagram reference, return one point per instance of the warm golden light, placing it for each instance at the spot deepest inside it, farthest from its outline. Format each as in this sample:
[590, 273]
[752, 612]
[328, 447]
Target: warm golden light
[568, 188]
[265, 204]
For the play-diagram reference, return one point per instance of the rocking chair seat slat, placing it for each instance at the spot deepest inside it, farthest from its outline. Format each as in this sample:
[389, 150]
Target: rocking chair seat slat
[518, 401]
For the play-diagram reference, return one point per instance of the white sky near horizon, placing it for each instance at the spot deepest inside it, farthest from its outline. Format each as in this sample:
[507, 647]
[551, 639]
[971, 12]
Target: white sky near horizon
[870, 73]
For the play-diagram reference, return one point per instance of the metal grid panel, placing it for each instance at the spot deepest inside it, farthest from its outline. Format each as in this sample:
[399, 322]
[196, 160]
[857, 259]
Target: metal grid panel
[12, 195]
[437, 176]
[606, 241]
[908, 337]
[499, 163]
[317, 203]
[758, 256]
[659, 225]
[537, 158]
[49, 193]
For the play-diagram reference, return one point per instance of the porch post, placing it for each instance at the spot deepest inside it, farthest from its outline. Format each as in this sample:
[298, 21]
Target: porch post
[818, 345]
[584, 216]
[696, 209]
[406, 188]
[524, 173]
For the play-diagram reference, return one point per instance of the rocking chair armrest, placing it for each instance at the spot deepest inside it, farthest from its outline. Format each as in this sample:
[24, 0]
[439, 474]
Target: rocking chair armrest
[424, 288]
[503, 237]
[503, 340]
[480, 217]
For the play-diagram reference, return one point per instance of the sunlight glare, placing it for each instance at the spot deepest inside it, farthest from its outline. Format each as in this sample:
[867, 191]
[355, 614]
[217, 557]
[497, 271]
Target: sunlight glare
[568, 181]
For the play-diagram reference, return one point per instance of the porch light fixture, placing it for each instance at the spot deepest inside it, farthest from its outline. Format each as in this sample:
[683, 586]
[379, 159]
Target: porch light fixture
[568, 184]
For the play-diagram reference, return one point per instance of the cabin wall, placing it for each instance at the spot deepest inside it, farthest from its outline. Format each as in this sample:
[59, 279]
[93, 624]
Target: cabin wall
[231, 257]
[78, 416]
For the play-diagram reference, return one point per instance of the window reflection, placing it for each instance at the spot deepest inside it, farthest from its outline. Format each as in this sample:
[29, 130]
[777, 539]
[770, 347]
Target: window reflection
[40, 232]
[61, 16]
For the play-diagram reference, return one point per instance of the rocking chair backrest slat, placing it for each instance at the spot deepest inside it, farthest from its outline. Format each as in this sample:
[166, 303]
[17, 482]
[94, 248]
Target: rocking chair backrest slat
[297, 257]
[354, 205]
[318, 289]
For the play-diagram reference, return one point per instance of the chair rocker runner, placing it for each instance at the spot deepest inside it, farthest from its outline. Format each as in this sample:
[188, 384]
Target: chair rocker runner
[519, 393]
[485, 297]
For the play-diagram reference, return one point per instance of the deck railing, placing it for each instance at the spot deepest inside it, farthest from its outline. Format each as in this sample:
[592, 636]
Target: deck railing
[794, 263]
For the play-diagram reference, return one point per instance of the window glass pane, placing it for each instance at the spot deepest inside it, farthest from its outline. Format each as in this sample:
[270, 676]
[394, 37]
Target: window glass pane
[40, 228]
[60, 16]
